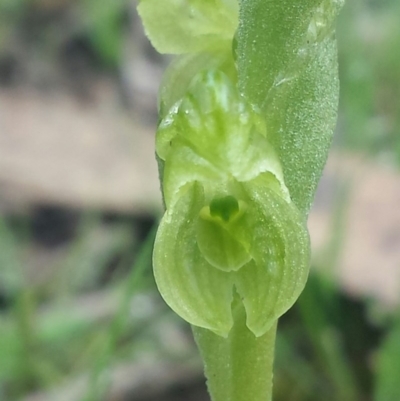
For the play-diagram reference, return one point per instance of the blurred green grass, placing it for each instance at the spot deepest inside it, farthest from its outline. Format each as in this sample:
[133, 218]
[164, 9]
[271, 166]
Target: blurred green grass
[369, 59]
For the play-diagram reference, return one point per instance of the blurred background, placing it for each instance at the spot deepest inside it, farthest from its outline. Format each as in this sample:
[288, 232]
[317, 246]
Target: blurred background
[80, 317]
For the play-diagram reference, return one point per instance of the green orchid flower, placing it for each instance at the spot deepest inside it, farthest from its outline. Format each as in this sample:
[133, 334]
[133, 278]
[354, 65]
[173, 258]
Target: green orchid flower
[230, 224]
[247, 112]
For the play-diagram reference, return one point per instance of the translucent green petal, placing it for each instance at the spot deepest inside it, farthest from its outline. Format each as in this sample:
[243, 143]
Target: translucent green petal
[221, 128]
[198, 292]
[219, 238]
[183, 69]
[188, 26]
[217, 122]
[184, 165]
[272, 282]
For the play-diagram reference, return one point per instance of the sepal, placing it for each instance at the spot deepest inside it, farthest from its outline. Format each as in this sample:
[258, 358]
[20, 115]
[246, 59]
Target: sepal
[195, 290]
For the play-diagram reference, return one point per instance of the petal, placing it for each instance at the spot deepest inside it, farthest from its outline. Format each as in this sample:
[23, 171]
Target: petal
[221, 128]
[189, 26]
[183, 69]
[272, 282]
[220, 247]
[183, 165]
[196, 291]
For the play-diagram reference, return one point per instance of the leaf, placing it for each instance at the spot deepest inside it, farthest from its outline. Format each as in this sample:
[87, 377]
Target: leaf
[290, 72]
[189, 26]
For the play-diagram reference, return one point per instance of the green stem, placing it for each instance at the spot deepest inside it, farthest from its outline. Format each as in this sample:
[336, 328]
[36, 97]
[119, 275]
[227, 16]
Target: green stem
[239, 367]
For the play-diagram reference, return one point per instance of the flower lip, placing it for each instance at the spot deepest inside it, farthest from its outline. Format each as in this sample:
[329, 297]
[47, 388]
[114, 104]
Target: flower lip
[224, 207]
